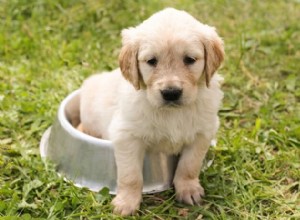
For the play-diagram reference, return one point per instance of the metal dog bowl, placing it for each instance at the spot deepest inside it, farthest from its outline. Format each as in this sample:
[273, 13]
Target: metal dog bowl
[89, 162]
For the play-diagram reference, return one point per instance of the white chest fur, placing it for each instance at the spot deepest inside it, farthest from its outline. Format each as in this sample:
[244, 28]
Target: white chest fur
[169, 129]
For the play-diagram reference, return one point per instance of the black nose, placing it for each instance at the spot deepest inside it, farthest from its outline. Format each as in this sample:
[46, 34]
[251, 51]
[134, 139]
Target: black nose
[171, 94]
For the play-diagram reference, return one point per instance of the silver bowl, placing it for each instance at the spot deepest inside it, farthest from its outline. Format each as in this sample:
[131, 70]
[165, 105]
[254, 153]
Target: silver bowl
[89, 162]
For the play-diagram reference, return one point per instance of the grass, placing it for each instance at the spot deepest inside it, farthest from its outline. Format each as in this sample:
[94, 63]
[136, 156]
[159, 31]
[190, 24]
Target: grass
[48, 47]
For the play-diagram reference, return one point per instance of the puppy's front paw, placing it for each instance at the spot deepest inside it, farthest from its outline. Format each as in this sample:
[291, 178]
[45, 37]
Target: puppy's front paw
[126, 204]
[189, 191]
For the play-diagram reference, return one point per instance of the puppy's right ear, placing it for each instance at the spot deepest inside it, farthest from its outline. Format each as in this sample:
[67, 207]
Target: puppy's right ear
[128, 59]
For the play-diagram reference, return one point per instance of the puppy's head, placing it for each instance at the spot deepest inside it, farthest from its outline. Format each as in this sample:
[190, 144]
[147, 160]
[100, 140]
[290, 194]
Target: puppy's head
[170, 55]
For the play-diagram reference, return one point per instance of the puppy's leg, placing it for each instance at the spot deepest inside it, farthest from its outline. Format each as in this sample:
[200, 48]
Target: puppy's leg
[80, 127]
[129, 156]
[186, 180]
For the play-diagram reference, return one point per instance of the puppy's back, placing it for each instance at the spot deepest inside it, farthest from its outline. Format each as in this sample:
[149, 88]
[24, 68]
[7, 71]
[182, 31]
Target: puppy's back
[98, 100]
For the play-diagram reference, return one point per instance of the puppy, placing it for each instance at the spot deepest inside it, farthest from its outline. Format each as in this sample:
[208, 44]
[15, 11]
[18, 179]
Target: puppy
[165, 98]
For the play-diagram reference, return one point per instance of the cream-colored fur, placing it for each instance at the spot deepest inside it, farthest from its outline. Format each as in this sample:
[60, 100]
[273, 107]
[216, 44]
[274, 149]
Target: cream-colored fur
[127, 105]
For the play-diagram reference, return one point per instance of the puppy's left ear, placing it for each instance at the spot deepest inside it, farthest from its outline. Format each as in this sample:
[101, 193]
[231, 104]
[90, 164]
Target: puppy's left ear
[128, 59]
[214, 53]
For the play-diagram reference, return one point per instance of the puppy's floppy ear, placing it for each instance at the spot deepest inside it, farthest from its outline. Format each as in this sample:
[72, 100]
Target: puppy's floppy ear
[214, 53]
[128, 59]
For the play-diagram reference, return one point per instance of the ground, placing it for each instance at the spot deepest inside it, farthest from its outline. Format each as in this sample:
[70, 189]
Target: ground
[47, 48]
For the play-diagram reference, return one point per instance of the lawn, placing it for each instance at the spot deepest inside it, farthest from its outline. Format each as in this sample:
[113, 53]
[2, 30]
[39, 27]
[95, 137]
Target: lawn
[48, 47]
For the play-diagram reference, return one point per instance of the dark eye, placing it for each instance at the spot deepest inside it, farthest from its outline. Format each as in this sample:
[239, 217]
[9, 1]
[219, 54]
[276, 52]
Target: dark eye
[189, 60]
[152, 62]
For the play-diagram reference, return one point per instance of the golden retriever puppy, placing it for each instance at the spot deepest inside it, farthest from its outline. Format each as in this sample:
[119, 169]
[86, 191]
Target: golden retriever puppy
[165, 97]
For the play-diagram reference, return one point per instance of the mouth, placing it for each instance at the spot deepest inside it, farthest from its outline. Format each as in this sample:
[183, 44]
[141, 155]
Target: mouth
[172, 104]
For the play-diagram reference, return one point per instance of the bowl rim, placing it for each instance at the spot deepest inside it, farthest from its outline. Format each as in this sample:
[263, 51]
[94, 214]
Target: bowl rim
[66, 125]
